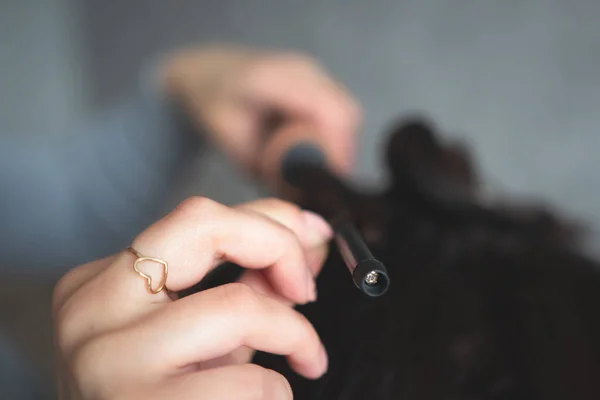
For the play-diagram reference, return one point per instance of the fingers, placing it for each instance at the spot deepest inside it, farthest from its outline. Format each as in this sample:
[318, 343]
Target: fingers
[201, 233]
[75, 279]
[213, 323]
[243, 382]
[226, 88]
[312, 231]
[297, 86]
[105, 310]
[193, 239]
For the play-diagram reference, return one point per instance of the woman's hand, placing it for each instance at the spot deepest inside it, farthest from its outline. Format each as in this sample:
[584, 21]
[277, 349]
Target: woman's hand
[116, 340]
[227, 89]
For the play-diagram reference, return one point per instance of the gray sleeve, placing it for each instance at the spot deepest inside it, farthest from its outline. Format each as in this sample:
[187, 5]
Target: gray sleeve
[84, 196]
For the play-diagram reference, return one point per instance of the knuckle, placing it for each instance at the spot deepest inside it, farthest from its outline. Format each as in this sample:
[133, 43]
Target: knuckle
[273, 202]
[281, 207]
[251, 378]
[290, 240]
[286, 234]
[198, 206]
[74, 327]
[256, 381]
[65, 326]
[68, 313]
[90, 371]
[72, 307]
[60, 291]
[240, 298]
[288, 243]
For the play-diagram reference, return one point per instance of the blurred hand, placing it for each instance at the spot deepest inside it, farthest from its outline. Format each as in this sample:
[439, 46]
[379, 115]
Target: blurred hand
[227, 90]
[116, 340]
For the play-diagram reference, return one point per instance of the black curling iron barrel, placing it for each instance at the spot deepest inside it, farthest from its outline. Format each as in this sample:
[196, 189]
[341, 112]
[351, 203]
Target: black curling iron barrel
[368, 274]
[304, 167]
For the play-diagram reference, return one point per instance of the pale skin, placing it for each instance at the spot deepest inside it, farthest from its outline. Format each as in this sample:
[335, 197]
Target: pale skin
[116, 340]
[226, 88]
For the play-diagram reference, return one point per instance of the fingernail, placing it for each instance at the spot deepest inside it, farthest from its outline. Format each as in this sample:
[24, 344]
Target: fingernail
[318, 231]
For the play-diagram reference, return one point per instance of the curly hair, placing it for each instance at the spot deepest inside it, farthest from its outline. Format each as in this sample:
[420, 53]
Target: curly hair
[487, 301]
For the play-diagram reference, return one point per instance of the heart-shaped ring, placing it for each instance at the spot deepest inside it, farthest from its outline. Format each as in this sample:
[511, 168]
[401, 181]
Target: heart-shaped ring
[148, 278]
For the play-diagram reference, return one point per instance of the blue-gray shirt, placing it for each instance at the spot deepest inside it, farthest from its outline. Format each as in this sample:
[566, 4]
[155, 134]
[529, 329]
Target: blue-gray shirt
[72, 200]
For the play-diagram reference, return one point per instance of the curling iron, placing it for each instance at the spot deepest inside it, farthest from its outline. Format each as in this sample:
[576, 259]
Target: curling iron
[304, 168]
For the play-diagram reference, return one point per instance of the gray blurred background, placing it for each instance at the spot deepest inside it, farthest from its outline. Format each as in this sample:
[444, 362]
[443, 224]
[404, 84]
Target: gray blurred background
[519, 79]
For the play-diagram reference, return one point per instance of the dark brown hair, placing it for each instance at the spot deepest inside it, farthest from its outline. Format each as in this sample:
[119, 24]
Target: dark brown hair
[487, 302]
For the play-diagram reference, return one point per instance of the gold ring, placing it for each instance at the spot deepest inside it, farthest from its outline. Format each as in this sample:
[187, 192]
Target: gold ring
[140, 259]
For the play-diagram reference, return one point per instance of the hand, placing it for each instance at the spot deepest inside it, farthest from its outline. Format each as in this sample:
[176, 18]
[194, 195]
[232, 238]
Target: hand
[117, 340]
[226, 89]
